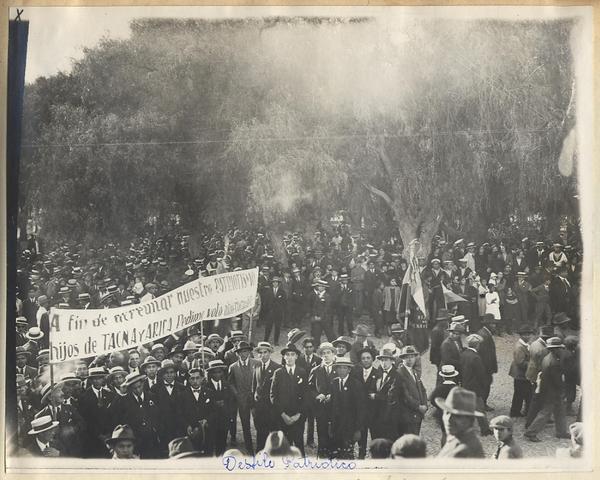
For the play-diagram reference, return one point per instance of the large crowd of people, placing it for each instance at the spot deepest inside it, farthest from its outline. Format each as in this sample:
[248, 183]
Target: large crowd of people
[346, 380]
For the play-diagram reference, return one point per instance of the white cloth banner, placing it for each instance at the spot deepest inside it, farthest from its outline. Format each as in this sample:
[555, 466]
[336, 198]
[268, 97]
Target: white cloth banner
[78, 334]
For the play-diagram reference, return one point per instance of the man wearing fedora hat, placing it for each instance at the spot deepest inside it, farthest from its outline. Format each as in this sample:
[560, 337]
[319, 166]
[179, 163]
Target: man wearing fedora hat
[94, 404]
[361, 342]
[407, 395]
[474, 376]
[487, 352]
[43, 434]
[459, 414]
[347, 407]
[139, 410]
[437, 336]
[149, 367]
[121, 443]
[240, 379]
[262, 378]
[551, 389]
[448, 374]
[518, 369]
[319, 307]
[169, 398]
[452, 346]
[221, 397]
[273, 308]
[289, 396]
[383, 424]
[22, 356]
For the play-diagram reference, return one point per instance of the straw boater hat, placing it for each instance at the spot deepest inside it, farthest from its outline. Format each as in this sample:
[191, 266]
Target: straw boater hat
[343, 341]
[156, 346]
[115, 371]
[236, 334]
[215, 336]
[408, 351]
[325, 346]
[263, 346]
[397, 328]
[295, 334]
[68, 377]
[342, 362]
[190, 347]
[47, 391]
[456, 327]
[166, 364]
[121, 432]
[460, 401]
[21, 321]
[42, 424]
[554, 342]
[34, 333]
[216, 365]
[97, 372]
[386, 353]
[132, 378]
[149, 360]
[448, 371]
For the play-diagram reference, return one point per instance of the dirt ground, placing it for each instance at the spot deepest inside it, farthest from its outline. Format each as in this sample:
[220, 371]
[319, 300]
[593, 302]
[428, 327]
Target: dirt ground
[500, 398]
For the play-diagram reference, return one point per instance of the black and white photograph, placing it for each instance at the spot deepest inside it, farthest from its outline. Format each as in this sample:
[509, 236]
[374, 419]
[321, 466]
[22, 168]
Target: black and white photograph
[310, 239]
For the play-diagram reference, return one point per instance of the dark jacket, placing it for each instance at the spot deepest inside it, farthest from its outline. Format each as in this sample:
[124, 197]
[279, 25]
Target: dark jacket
[171, 423]
[289, 393]
[99, 422]
[450, 353]
[487, 351]
[473, 373]
[518, 366]
[407, 394]
[315, 361]
[348, 408]
[143, 419]
[438, 335]
[466, 445]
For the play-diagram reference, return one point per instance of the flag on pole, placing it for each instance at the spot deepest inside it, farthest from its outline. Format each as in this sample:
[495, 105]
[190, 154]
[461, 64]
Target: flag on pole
[412, 277]
[450, 296]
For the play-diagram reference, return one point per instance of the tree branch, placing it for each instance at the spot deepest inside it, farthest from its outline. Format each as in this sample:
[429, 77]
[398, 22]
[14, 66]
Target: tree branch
[383, 157]
[379, 193]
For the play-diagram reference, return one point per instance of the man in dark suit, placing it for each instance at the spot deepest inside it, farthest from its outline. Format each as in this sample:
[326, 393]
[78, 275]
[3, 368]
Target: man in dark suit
[370, 282]
[298, 298]
[30, 307]
[408, 395]
[170, 400]
[459, 414]
[240, 380]
[347, 405]
[289, 397]
[22, 357]
[262, 378]
[474, 376]
[346, 305]
[318, 304]
[222, 400]
[383, 425]
[551, 388]
[561, 296]
[537, 352]
[361, 341]
[273, 309]
[94, 404]
[438, 335]
[307, 361]
[139, 410]
[44, 441]
[448, 375]
[197, 411]
[367, 375]
[335, 293]
[320, 384]
[487, 352]
[452, 347]
[518, 369]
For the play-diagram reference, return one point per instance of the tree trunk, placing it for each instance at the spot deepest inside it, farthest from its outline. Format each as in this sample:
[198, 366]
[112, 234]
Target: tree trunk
[279, 251]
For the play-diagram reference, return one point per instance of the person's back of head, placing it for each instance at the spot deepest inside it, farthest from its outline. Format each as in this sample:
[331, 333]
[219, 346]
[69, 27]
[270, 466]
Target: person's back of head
[380, 448]
[409, 446]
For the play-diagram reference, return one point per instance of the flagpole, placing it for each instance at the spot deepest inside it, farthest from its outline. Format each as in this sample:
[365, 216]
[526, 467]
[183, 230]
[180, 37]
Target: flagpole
[202, 346]
[406, 310]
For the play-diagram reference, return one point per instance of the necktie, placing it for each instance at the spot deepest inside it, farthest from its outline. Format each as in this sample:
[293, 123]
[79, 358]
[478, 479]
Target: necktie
[290, 371]
[100, 400]
[262, 369]
[497, 454]
[219, 386]
[341, 384]
[328, 369]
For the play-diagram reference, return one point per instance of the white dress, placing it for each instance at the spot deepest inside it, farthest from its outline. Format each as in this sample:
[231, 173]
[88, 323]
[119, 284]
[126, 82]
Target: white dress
[492, 304]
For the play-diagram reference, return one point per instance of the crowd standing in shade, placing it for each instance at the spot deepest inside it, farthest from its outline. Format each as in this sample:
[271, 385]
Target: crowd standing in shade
[327, 385]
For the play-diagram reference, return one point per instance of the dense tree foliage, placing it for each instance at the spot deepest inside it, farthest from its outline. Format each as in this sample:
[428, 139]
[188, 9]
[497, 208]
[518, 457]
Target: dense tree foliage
[435, 124]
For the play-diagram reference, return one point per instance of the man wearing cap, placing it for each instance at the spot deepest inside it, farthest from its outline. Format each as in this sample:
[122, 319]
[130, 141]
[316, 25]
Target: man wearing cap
[407, 395]
[274, 305]
[289, 397]
[170, 397]
[383, 419]
[452, 346]
[503, 432]
[347, 406]
[221, 397]
[44, 442]
[139, 410]
[551, 388]
[262, 378]
[518, 370]
[94, 406]
[537, 352]
[240, 379]
[459, 414]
